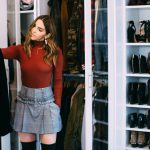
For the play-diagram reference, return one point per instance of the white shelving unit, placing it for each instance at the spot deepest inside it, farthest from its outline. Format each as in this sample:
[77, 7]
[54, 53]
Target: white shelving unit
[135, 13]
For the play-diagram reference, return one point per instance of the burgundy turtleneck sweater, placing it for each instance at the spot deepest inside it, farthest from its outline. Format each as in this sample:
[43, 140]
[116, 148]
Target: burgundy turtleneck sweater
[35, 73]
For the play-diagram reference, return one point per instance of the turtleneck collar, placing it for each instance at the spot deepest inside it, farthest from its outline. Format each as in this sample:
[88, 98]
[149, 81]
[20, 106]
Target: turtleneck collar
[37, 43]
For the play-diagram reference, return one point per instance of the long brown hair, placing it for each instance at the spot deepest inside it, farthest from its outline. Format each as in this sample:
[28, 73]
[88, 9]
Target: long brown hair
[50, 48]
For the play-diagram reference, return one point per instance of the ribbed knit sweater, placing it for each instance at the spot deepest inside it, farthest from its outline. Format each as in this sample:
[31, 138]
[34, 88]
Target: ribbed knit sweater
[35, 73]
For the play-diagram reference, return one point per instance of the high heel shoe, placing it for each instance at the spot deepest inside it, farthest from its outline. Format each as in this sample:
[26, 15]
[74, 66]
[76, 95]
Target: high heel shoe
[131, 32]
[147, 30]
[140, 37]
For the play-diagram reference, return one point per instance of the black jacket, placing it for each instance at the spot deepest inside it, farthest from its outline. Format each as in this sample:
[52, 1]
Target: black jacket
[5, 126]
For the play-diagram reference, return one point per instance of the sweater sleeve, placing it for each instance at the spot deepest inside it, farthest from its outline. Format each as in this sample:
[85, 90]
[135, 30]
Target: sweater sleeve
[11, 52]
[58, 78]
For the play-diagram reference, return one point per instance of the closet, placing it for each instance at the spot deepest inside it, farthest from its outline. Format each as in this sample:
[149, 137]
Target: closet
[138, 105]
[101, 112]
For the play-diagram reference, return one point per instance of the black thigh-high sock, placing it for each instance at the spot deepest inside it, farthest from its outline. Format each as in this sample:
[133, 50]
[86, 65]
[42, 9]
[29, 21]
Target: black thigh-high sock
[48, 146]
[28, 145]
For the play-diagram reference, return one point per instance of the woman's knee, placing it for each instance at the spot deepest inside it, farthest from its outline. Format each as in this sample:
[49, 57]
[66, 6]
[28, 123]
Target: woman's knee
[48, 138]
[26, 137]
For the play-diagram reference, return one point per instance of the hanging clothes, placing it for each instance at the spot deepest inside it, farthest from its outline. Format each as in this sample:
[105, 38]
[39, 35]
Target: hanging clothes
[68, 91]
[55, 12]
[64, 28]
[73, 37]
[5, 126]
[74, 124]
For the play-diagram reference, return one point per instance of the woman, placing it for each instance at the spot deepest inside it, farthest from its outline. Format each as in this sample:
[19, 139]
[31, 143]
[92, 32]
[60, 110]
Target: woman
[37, 109]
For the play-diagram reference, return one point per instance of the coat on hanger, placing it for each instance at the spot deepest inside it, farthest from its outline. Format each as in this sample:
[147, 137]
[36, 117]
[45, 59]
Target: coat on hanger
[5, 126]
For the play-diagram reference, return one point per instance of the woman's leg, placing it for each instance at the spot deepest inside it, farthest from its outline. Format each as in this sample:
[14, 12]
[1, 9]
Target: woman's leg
[27, 141]
[48, 141]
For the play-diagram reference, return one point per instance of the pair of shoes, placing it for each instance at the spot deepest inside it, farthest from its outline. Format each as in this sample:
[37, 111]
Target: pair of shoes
[138, 139]
[135, 119]
[137, 93]
[138, 64]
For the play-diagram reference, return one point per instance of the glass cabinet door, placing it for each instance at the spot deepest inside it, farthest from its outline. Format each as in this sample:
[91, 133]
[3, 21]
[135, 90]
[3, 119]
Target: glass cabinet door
[100, 74]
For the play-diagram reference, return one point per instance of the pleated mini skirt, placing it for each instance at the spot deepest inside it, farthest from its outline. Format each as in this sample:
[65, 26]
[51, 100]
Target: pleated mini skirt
[36, 112]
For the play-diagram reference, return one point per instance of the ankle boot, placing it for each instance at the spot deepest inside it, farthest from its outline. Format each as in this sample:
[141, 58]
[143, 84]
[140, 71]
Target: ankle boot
[28, 145]
[148, 97]
[132, 92]
[134, 64]
[141, 139]
[141, 93]
[141, 120]
[148, 120]
[133, 138]
[148, 142]
[48, 146]
[132, 119]
[148, 62]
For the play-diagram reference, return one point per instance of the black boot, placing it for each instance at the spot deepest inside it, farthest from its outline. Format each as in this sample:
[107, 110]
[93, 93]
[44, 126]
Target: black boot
[132, 120]
[148, 62]
[131, 32]
[142, 64]
[132, 92]
[148, 120]
[134, 64]
[148, 97]
[28, 145]
[141, 93]
[141, 120]
[48, 146]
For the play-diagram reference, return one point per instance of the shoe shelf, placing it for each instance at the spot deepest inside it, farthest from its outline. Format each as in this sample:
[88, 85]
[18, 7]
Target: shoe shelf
[26, 12]
[136, 148]
[137, 129]
[138, 7]
[137, 106]
[138, 44]
[144, 75]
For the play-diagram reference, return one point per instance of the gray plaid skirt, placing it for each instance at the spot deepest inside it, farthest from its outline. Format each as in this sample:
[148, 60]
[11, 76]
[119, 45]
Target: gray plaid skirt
[36, 111]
